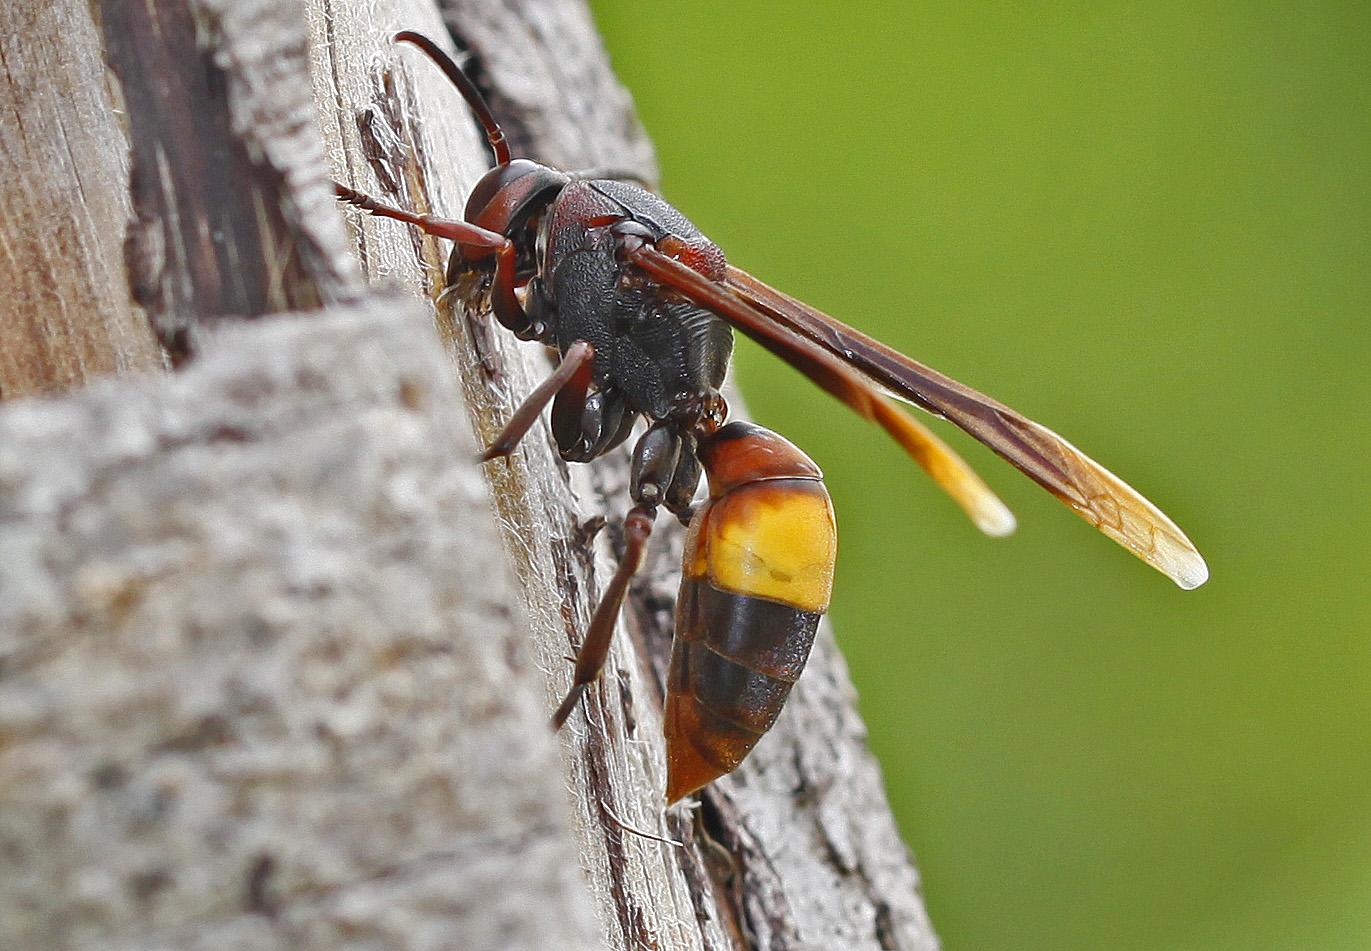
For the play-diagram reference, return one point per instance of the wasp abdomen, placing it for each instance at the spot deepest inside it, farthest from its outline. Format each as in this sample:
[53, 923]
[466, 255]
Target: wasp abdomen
[758, 575]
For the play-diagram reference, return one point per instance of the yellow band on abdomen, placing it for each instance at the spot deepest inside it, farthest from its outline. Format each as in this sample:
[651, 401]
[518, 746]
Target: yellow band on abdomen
[774, 539]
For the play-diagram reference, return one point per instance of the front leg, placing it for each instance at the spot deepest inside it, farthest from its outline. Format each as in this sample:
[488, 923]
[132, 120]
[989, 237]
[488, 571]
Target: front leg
[474, 243]
[573, 371]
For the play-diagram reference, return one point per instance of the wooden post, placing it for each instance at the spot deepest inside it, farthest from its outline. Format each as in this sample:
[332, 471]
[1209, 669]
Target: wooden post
[348, 807]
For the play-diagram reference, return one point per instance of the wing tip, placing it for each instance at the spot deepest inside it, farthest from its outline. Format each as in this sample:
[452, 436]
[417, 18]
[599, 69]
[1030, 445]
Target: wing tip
[1190, 572]
[1180, 561]
[993, 517]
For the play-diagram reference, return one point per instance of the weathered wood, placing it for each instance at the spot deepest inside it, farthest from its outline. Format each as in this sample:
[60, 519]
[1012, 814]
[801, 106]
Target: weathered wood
[796, 850]
[225, 160]
[67, 317]
[264, 680]
[813, 856]
[549, 81]
[260, 682]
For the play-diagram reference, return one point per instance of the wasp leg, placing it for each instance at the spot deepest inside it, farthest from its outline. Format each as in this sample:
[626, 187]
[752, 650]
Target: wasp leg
[577, 360]
[656, 460]
[680, 493]
[473, 243]
[589, 424]
[590, 660]
[463, 232]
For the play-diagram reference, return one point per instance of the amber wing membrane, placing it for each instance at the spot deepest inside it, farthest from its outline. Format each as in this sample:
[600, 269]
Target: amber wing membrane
[812, 342]
[829, 372]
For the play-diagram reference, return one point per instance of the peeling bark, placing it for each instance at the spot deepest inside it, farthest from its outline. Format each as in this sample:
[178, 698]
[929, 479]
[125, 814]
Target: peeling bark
[224, 154]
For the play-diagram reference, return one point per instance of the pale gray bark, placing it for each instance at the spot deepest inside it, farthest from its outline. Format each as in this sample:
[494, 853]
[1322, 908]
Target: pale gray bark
[261, 684]
[298, 517]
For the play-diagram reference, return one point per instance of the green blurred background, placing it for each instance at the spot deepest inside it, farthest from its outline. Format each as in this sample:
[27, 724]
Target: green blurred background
[1147, 226]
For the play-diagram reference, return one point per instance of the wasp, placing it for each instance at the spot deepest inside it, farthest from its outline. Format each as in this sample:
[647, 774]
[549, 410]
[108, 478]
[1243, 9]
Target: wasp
[641, 308]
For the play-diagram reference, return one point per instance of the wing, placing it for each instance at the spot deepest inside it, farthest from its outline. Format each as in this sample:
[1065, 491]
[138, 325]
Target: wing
[828, 352]
[947, 468]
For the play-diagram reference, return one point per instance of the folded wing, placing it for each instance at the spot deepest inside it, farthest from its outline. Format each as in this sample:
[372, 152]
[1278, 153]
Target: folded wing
[838, 357]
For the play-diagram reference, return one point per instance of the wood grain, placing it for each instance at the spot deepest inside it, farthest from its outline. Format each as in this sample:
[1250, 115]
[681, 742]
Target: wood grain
[798, 848]
[196, 505]
[67, 316]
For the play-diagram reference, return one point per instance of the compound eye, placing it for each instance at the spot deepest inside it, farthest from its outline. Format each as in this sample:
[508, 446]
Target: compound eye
[495, 181]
